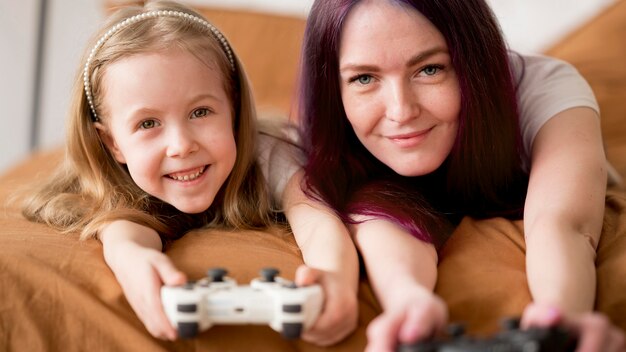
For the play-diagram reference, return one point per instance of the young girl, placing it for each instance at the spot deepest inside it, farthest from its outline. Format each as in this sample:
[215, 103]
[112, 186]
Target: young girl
[413, 107]
[161, 140]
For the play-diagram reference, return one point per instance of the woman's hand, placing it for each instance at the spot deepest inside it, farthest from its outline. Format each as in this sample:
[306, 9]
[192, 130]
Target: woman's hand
[419, 315]
[339, 314]
[594, 330]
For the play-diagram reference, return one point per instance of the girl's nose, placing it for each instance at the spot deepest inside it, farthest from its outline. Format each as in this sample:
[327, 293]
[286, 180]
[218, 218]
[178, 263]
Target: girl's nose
[402, 103]
[181, 143]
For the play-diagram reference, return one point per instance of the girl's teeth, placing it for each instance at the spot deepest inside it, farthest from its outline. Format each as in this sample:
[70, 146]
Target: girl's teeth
[188, 177]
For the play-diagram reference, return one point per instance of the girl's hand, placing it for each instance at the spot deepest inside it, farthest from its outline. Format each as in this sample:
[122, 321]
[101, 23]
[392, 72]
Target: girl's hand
[141, 272]
[418, 316]
[339, 314]
[594, 330]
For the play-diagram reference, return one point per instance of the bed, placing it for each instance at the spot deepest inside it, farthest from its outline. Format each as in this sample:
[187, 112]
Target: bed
[56, 292]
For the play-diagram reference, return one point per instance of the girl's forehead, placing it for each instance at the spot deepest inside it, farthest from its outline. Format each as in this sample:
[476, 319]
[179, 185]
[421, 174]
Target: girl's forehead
[160, 80]
[173, 64]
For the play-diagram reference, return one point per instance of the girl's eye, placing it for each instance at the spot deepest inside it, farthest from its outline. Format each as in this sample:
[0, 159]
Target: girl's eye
[148, 124]
[202, 112]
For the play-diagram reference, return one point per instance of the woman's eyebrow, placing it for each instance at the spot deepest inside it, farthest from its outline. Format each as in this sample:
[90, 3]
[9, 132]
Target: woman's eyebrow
[417, 58]
[425, 55]
[359, 67]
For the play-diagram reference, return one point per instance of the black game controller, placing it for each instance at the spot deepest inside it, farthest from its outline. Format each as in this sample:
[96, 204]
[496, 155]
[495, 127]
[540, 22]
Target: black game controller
[510, 339]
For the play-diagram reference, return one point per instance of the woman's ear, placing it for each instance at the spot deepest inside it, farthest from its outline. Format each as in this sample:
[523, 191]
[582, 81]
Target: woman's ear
[109, 141]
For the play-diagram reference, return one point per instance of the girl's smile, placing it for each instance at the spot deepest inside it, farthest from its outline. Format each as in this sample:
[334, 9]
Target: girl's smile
[188, 175]
[169, 120]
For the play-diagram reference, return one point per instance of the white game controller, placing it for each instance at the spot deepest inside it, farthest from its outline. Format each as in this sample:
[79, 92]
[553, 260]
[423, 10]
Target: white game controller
[217, 299]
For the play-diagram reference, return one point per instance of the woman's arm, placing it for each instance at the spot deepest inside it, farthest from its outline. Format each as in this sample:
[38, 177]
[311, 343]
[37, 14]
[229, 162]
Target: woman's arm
[402, 271]
[564, 210]
[133, 252]
[330, 258]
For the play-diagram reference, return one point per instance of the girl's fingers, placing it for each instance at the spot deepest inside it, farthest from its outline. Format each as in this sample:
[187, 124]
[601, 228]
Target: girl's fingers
[167, 272]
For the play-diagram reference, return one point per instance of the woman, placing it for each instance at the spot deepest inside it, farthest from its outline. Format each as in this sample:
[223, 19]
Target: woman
[412, 104]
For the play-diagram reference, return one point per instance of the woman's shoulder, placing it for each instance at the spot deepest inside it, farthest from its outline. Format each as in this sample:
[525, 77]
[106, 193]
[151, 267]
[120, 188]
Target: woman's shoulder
[542, 68]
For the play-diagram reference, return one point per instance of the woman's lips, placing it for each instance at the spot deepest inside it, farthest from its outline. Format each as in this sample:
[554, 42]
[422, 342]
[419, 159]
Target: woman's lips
[407, 140]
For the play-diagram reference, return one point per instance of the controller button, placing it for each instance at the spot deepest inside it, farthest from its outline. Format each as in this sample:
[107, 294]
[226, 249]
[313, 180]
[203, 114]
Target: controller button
[187, 330]
[187, 308]
[510, 324]
[269, 274]
[455, 329]
[292, 308]
[292, 330]
[189, 286]
[216, 274]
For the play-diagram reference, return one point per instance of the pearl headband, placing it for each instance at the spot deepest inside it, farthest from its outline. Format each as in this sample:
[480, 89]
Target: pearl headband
[137, 18]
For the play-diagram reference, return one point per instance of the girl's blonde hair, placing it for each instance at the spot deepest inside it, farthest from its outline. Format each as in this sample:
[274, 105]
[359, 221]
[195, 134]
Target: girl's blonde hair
[91, 189]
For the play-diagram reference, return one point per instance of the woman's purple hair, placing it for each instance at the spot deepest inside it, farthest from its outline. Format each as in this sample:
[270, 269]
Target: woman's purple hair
[482, 176]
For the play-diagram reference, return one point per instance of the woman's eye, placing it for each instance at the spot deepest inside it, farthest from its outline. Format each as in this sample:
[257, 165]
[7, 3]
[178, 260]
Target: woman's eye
[364, 79]
[148, 124]
[431, 70]
[202, 112]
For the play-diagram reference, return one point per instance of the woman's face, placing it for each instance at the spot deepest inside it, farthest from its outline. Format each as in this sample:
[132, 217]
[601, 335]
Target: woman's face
[399, 89]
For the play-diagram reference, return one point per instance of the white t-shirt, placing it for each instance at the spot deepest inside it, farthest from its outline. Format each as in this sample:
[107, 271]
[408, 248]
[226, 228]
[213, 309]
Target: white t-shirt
[279, 160]
[546, 86]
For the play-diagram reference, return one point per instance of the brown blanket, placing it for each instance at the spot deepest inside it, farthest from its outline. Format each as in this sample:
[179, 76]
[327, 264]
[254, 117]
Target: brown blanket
[482, 273]
[56, 292]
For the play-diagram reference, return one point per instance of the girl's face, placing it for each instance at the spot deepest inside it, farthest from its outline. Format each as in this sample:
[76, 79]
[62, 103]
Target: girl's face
[399, 89]
[169, 119]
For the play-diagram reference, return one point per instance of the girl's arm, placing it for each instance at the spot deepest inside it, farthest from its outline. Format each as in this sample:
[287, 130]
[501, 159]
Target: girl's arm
[331, 260]
[402, 271]
[133, 252]
[564, 210]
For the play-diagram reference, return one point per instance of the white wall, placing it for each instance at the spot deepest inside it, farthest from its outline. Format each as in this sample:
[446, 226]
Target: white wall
[68, 25]
[298, 8]
[532, 26]
[529, 25]
[18, 31]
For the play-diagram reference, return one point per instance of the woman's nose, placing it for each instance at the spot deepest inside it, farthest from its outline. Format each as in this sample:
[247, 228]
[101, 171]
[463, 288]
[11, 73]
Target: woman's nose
[402, 103]
[181, 142]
